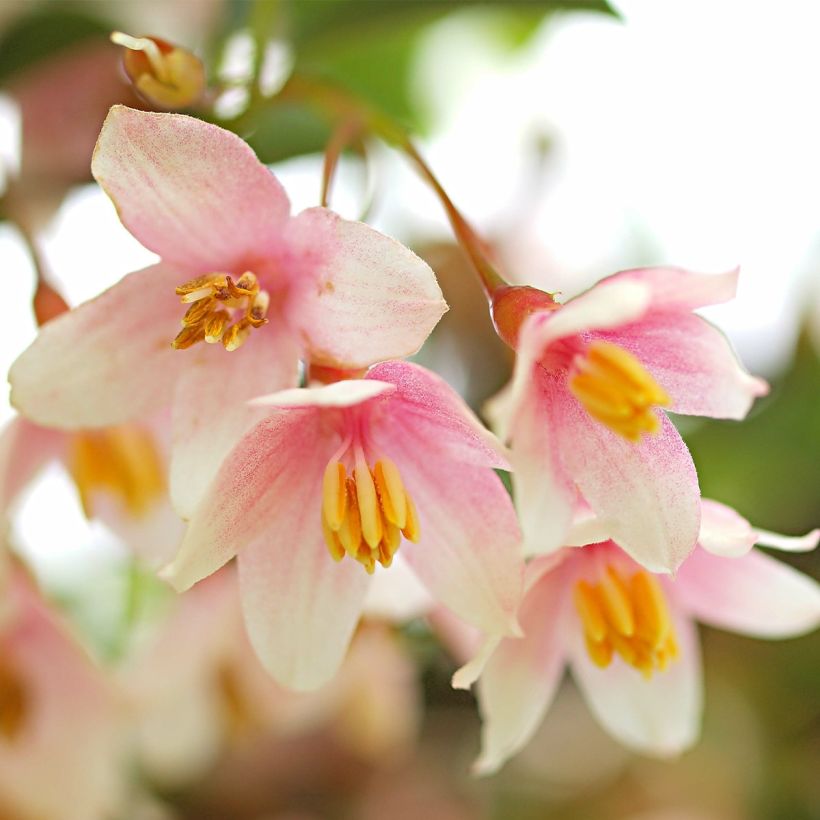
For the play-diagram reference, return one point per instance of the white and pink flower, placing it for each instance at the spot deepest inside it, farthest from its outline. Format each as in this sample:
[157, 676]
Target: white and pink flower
[582, 412]
[337, 479]
[239, 271]
[629, 637]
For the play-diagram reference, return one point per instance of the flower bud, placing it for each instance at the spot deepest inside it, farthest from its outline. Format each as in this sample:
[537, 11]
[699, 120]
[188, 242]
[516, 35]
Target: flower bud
[165, 75]
[513, 304]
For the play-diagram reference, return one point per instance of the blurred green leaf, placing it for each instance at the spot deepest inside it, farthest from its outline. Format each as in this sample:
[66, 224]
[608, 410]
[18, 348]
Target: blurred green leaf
[42, 33]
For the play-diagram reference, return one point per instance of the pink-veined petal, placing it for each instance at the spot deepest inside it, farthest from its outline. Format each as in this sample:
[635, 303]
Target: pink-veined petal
[211, 410]
[602, 306]
[366, 297]
[108, 360]
[424, 406]
[188, 190]
[268, 478]
[25, 447]
[660, 716]
[468, 554]
[300, 606]
[753, 594]
[646, 493]
[544, 493]
[693, 362]
[519, 681]
[676, 289]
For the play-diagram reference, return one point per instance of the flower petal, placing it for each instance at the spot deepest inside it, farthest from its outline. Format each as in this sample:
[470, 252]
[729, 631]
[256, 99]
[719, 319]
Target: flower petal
[188, 190]
[468, 554]
[426, 407]
[346, 393]
[269, 477]
[108, 360]
[300, 606]
[754, 594]
[211, 410]
[693, 362]
[520, 680]
[660, 716]
[681, 290]
[368, 299]
[646, 493]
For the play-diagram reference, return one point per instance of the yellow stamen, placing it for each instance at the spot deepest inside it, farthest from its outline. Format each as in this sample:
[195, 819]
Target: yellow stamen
[360, 512]
[391, 492]
[14, 702]
[616, 390]
[215, 301]
[628, 617]
[122, 461]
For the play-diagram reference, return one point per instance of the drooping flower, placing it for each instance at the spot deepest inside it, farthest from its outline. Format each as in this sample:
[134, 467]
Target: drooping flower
[338, 479]
[583, 411]
[239, 272]
[59, 716]
[628, 636]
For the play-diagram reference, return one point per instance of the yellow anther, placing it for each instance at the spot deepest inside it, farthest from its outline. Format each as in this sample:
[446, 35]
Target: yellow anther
[215, 325]
[259, 309]
[591, 612]
[350, 533]
[197, 312]
[391, 492]
[614, 595]
[246, 285]
[368, 504]
[412, 529]
[122, 461]
[334, 544]
[188, 336]
[628, 618]
[235, 336]
[616, 390]
[14, 702]
[334, 494]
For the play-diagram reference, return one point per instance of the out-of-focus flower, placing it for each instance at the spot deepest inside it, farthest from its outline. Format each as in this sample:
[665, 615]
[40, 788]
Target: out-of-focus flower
[248, 275]
[119, 473]
[629, 636]
[59, 717]
[329, 485]
[197, 691]
[165, 75]
[582, 410]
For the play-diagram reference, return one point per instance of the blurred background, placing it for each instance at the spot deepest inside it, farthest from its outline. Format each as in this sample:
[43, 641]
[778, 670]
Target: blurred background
[581, 138]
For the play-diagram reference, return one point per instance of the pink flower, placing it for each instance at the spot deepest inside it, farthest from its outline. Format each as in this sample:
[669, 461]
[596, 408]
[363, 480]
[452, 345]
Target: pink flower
[338, 479]
[629, 637]
[59, 716]
[119, 473]
[582, 411]
[239, 271]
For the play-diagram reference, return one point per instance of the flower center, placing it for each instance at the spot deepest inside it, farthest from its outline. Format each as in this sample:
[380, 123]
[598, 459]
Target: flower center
[221, 310]
[120, 460]
[628, 616]
[616, 390]
[14, 702]
[364, 515]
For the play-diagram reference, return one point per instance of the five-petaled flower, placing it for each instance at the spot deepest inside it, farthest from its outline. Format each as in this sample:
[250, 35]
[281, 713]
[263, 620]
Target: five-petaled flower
[339, 478]
[581, 412]
[239, 271]
[629, 637]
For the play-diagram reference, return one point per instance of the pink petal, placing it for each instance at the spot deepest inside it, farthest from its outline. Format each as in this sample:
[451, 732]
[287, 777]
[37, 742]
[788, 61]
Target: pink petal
[347, 393]
[300, 606]
[367, 298]
[188, 190]
[24, 448]
[267, 479]
[676, 289]
[424, 406]
[544, 492]
[660, 716]
[468, 554]
[723, 531]
[645, 494]
[754, 594]
[211, 410]
[107, 361]
[520, 680]
[693, 362]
